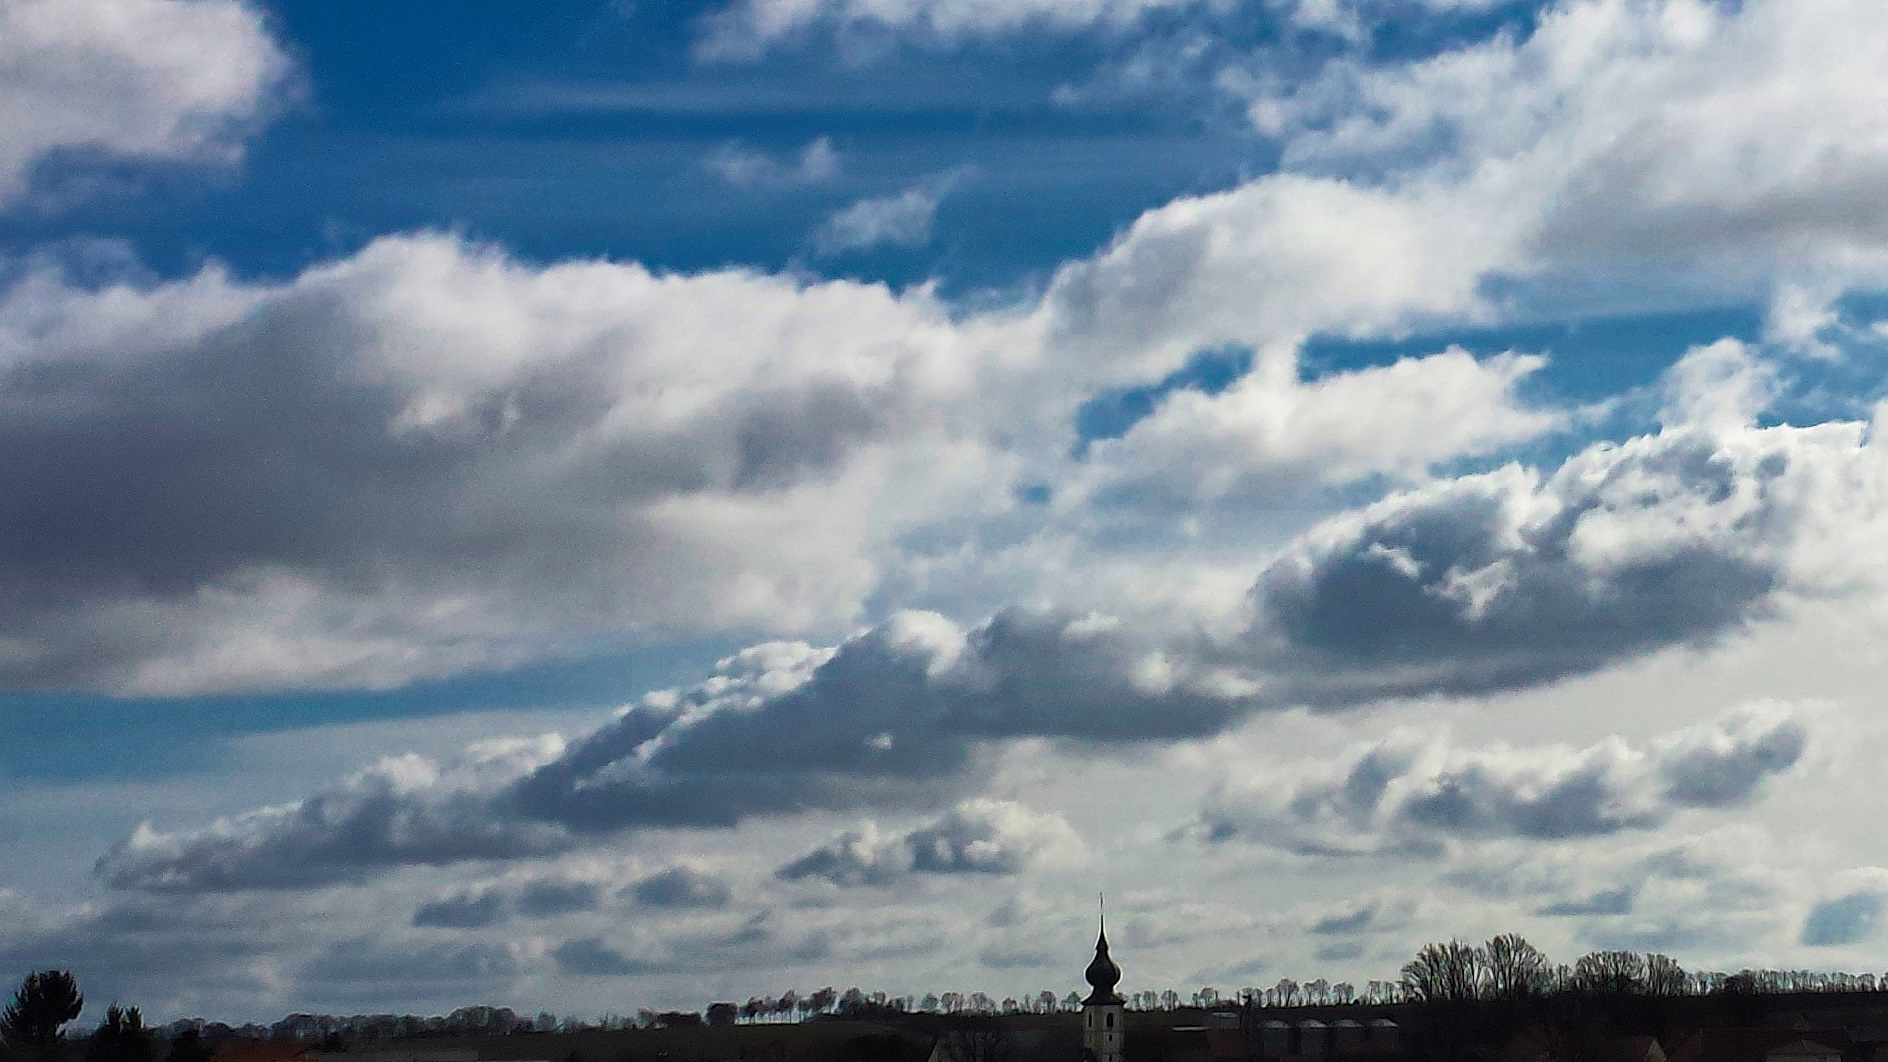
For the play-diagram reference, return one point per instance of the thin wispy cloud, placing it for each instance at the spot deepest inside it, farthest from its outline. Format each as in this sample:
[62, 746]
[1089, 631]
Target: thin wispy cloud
[903, 219]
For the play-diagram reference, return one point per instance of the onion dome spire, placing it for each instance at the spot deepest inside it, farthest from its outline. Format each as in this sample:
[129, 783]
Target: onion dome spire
[1102, 973]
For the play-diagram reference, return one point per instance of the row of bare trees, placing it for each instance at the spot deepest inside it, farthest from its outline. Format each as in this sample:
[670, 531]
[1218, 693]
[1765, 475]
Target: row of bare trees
[1509, 968]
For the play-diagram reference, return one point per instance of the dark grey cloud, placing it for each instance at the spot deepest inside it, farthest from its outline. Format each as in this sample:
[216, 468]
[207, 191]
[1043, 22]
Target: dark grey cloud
[549, 898]
[858, 857]
[1728, 770]
[681, 886]
[751, 944]
[976, 837]
[146, 948]
[1410, 796]
[362, 974]
[1339, 951]
[590, 957]
[890, 717]
[421, 459]
[1352, 921]
[1607, 902]
[469, 911]
[1845, 920]
[1505, 580]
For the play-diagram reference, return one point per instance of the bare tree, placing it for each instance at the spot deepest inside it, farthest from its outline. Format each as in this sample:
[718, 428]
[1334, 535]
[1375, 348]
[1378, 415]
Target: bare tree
[1451, 973]
[1664, 977]
[1610, 973]
[1516, 969]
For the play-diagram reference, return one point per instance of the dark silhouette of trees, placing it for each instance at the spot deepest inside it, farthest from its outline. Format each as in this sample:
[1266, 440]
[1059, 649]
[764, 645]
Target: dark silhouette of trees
[1455, 972]
[121, 1037]
[1517, 970]
[979, 1040]
[45, 1003]
[188, 1046]
[1610, 973]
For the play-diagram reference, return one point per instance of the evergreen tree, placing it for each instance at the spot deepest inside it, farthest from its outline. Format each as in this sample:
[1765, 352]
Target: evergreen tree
[45, 1003]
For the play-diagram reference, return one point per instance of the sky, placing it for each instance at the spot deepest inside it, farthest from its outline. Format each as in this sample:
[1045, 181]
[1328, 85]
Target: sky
[597, 505]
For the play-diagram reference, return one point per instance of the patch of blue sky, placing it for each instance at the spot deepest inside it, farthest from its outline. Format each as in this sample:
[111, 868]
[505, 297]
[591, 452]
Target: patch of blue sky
[156, 737]
[1113, 413]
[579, 128]
[1589, 360]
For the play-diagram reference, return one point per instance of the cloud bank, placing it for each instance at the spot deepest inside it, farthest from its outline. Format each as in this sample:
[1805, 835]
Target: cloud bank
[1409, 796]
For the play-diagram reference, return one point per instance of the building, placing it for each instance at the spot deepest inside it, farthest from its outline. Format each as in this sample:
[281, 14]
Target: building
[1104, 1012]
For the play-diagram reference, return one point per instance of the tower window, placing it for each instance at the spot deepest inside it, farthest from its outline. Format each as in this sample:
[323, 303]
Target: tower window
[1110, 1021]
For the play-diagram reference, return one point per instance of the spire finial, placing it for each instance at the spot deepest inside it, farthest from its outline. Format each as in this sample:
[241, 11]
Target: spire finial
[1103, 974]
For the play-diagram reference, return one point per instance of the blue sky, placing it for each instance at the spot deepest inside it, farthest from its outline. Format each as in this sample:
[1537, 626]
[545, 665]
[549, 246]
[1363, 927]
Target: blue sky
[450, 450]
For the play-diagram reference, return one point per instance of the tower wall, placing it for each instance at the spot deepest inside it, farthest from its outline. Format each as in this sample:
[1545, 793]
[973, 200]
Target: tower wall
[1104, 1031]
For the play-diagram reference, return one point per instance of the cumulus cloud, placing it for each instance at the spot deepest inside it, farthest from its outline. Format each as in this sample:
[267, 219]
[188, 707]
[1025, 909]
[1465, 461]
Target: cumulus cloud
[1409, 796]
[426, 457]
[1611, 126]
[976, 837]
[1273, 261]
[1509, 578]
[891, 716]
[169, 80]
[1271, 427]
[404, 810]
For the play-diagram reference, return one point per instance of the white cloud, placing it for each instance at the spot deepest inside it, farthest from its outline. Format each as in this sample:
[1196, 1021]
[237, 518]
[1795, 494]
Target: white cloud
[1270, 426]
[1671, 144]
[1274, 261]
[166, 80]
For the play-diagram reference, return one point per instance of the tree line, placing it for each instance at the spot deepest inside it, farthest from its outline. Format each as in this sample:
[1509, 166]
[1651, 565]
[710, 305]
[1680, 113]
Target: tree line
[1509, 968]
[33, 1027]
[1506, 968]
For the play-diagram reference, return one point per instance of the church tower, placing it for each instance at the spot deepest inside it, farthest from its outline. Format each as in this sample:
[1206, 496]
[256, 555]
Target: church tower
[1104, 1013]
